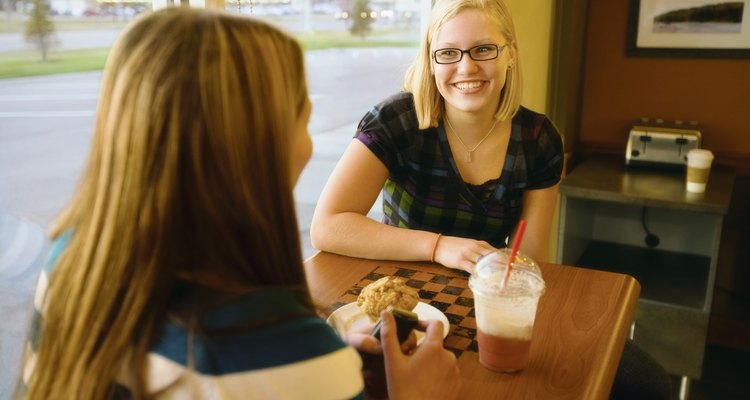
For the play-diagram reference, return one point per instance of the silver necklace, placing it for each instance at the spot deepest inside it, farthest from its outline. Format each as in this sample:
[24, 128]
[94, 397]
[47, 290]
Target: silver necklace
[470, 152]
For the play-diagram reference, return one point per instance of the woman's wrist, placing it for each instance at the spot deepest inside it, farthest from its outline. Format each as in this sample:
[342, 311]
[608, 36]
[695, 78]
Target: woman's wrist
[435, 246]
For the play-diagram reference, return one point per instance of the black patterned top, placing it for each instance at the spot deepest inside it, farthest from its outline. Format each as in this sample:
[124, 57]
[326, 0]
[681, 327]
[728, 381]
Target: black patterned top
[424, 189]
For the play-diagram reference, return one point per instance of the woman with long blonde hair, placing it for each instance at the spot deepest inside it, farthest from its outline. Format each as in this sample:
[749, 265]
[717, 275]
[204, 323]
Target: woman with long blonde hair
[459, 162]
[176, 270]
[457, 158]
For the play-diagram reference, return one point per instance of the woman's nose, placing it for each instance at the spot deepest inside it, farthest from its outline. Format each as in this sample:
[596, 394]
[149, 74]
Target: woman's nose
[467, 64]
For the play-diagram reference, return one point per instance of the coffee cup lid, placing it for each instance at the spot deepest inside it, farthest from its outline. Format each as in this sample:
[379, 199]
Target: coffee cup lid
[700, 153]
[490, 269]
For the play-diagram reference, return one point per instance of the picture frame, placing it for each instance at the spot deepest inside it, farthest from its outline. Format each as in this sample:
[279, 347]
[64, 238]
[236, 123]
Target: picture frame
[689, 28]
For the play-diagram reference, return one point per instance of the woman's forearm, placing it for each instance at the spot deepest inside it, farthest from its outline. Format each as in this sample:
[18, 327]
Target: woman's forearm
[357, 235]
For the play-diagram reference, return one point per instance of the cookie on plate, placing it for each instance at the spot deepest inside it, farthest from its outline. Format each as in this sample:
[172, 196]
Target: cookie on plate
[387, 291]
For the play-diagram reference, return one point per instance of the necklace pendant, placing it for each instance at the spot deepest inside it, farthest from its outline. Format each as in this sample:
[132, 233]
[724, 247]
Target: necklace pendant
[470, 151]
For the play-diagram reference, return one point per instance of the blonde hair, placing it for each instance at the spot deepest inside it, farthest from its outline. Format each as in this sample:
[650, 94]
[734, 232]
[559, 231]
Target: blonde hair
[419, 78]
[188, 172]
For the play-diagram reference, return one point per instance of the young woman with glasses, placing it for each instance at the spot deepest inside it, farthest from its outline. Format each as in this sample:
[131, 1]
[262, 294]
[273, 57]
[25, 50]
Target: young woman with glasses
[458, 160]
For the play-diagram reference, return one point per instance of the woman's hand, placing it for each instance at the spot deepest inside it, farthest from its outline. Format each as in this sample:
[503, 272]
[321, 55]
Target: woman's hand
[361, 339]
[461, 253]
[373, 363]
[429, 372]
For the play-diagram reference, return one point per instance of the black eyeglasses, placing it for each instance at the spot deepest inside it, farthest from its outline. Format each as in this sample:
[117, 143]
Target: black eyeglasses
[483, 52]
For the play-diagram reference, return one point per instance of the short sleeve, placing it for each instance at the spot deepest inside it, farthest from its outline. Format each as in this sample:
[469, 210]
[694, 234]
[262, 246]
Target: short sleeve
[548, 156]
[387, 130]
[372, 134]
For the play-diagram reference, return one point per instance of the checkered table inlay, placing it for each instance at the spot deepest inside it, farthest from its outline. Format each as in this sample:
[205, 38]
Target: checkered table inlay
[449, 294]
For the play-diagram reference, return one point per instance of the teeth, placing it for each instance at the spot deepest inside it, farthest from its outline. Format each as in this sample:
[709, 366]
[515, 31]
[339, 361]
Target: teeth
[468, 85]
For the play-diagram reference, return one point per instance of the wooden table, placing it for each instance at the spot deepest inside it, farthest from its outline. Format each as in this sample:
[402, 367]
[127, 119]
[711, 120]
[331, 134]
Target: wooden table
[581, 326]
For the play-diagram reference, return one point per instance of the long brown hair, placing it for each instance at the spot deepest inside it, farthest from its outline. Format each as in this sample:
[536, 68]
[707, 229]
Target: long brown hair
[188, 172]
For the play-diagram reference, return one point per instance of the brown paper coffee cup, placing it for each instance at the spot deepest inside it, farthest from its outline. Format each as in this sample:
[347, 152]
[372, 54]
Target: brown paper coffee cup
[698, 169]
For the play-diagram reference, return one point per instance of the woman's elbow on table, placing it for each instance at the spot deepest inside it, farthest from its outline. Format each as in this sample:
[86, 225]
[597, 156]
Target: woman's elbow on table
[319, 236]
[326, 231]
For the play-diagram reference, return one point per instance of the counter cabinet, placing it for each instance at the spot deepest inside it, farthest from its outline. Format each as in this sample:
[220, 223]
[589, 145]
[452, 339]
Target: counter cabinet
[606, 212]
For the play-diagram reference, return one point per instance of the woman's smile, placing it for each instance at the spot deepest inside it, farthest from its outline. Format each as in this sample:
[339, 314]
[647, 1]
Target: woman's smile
[468, 85]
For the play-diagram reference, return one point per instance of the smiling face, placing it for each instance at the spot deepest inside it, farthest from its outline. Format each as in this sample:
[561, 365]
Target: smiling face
[469, 85]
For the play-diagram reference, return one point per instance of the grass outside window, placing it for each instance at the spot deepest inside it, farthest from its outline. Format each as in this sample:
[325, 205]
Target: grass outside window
[17, 64]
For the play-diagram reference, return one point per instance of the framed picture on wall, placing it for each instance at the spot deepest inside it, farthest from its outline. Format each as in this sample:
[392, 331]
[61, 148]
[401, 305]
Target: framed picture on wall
[689, 28]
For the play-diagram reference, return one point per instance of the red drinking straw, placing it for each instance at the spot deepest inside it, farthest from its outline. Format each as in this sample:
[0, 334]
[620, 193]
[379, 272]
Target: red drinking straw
[514, 249]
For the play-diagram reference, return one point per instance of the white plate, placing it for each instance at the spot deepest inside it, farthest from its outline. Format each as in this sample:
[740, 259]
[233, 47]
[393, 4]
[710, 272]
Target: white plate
[350, 316]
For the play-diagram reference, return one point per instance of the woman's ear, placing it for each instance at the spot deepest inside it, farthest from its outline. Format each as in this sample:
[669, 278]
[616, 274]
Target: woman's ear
[513, 53]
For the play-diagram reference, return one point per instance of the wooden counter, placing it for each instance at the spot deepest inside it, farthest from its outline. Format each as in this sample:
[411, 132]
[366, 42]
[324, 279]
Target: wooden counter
[607, 210]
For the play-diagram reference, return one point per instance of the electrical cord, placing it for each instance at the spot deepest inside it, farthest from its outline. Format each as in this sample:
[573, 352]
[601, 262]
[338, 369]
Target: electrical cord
[651, 239]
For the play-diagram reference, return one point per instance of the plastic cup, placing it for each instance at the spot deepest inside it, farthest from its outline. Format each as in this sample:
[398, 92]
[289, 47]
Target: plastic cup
[698, 168]
[505, 316]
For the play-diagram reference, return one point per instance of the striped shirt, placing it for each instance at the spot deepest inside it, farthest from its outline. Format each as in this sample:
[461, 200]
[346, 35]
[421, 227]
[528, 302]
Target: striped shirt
[424, 189]
[262, 345]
